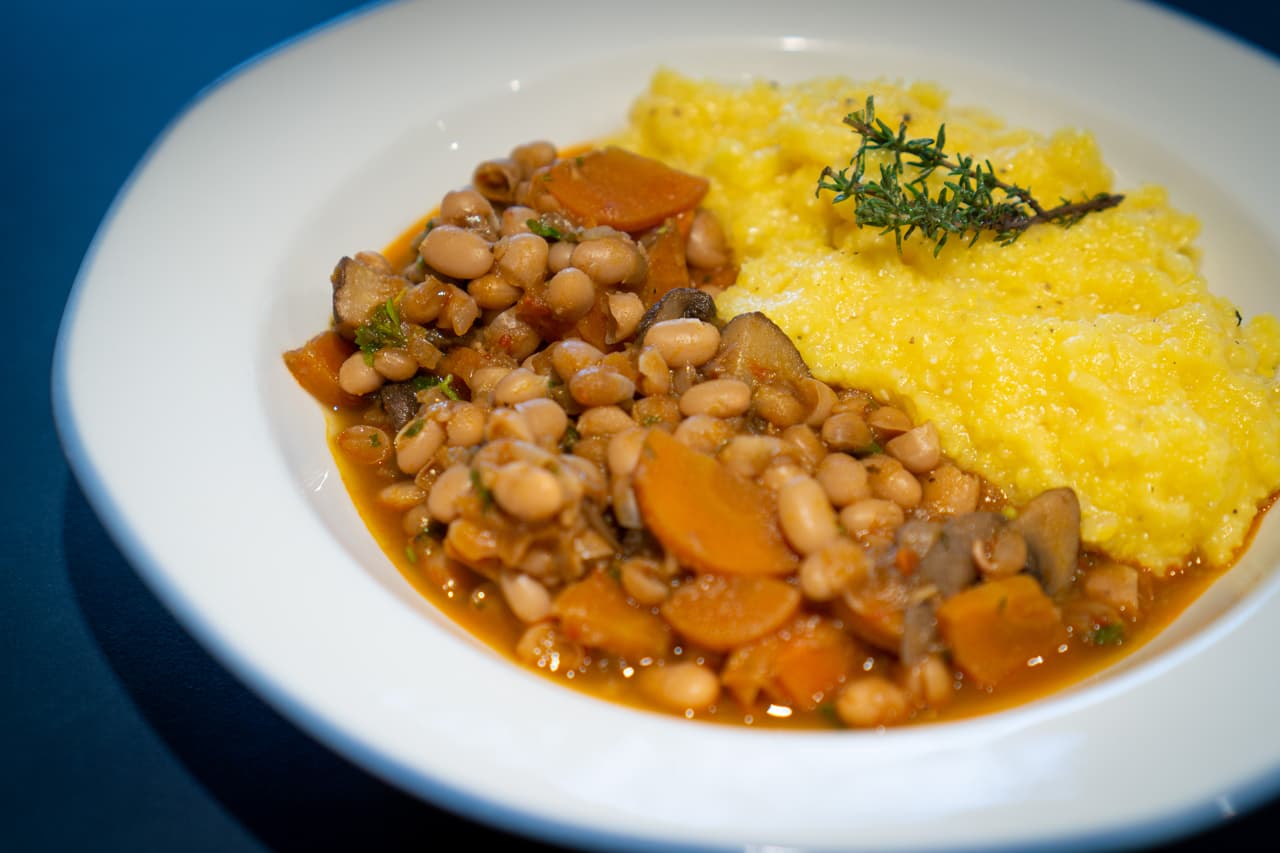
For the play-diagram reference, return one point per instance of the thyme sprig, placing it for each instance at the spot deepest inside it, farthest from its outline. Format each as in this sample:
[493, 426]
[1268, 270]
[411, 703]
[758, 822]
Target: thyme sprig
[971, 200]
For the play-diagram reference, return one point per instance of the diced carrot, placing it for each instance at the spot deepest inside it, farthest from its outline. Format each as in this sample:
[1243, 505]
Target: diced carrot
[721, 612]
[710, 518]
[715, 280]
[748, 671]
[667, 266]
[993, 629]
[594, 327]
[816, 658]
[595, 612]
[315, 366]
[462, 362]
[614, 187]
[800, 665]
[906, 561]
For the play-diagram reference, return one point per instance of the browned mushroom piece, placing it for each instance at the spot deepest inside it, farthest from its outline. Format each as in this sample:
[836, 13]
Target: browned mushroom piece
[1050, 522]
[497, 179]
[677, 303]
[755, 350]
[949, 565]
[919, 632]
[358, 290]
[400, 402]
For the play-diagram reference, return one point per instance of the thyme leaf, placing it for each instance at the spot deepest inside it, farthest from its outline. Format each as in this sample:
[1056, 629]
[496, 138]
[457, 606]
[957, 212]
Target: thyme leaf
[971, 200]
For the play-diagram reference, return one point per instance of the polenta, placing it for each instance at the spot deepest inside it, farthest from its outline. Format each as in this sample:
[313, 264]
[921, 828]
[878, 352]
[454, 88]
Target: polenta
[1093, 357]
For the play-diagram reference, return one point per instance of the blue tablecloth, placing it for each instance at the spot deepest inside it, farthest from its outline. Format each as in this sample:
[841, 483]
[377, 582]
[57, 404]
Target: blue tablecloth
[117, 732]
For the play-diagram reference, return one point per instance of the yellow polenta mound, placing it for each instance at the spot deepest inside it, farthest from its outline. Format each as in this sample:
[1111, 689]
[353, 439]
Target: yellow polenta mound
[1093, 357]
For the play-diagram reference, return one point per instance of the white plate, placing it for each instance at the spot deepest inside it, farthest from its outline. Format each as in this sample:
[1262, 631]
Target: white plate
[209, 465]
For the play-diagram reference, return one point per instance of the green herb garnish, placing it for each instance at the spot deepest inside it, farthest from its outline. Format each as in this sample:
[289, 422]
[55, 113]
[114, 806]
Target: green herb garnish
[971, 200]
[569, 439]
[549, 232]
[444, 385]
[382, 331]
[477, 484]
[1107, 635]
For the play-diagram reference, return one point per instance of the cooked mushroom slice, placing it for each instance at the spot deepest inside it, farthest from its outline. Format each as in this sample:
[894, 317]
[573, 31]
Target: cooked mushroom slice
[948, 565]
[358, 290]
[676, 303]
[400, 402]
[919, 631]
[917, 536]
[754, 349]
[497, 179]
[1050, 523]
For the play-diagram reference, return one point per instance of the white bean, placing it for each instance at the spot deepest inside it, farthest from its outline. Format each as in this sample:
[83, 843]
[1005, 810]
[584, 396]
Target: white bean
[719, 398]
[807, 518]
[416, 443]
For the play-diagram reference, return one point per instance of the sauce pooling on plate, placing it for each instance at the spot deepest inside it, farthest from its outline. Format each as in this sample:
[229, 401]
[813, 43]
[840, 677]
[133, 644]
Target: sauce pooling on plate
[560, 440]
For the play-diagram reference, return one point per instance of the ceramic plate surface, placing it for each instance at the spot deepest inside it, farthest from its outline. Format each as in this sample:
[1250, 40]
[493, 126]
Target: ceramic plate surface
[215, 259]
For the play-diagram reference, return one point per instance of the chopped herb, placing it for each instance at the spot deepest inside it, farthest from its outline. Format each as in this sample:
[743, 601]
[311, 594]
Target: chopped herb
[549, 232]
[415, 428]
[650, 420]
[1107, 635]
[477, 484]
[570, 438]
[410, 554]
[444, 385]
[382, 331]
[971, 200]
[374, 440]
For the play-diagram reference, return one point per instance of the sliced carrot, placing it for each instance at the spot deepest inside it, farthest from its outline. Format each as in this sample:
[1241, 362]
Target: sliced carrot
[721, 612]
[614, 187]
[710, 518]
[994, 629]
[315, 366]
[596, 612]
[668, 268]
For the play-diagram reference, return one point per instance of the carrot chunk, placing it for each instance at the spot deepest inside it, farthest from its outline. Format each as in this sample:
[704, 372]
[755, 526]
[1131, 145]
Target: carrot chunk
[721, 612]
[800, 665]
[595, 612]
[993, 629]
[668, 268]
[711, 519]
[614, 187]
[315, 366]
[816, 658]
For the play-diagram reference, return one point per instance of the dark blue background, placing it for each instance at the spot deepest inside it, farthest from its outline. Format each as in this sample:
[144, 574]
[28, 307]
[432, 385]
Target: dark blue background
[117, 732]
